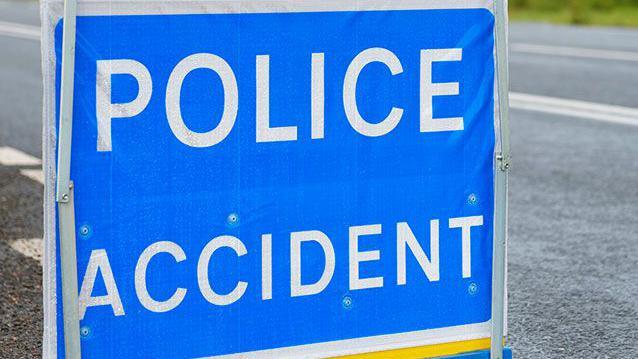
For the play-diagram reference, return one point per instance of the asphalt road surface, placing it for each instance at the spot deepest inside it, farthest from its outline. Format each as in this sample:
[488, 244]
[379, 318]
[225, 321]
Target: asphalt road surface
[573, 250]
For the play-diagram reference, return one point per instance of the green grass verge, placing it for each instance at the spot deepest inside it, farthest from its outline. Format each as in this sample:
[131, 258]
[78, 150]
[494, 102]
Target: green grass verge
[626, 16]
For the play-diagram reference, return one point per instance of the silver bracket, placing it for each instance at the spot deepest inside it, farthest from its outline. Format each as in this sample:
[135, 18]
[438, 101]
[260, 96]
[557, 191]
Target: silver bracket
[70, 301]
[503, 162]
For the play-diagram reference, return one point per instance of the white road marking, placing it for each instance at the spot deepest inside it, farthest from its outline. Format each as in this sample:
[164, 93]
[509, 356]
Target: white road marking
[573, 108]
[31, 248]
[36, 175]
[10, 156]
[22, 31]
[574, 52]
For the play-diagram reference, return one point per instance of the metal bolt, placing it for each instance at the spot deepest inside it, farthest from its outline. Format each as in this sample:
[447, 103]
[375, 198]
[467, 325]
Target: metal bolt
[347, 302]
[473, 288]
[65, 197]
[85, 230]
[232, 219]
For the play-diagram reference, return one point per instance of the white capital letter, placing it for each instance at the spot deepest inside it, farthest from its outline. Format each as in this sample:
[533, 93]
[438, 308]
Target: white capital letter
[105, 110]
[202, 271]
[405, 236]
[350, 92]
[173, 100]
[318, 96]
[140, 277]
[99, 261]
[265, 133]
[357, 257]
[266, 266]
[296, 238]
[466, 224]
[429, 90]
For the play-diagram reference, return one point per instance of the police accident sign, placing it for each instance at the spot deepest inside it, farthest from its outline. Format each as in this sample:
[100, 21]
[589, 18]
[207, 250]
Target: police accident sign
[275, 178]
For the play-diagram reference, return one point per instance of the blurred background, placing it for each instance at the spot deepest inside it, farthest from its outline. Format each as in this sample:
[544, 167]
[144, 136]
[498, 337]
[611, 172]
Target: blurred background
[573, 237]
[598, 12]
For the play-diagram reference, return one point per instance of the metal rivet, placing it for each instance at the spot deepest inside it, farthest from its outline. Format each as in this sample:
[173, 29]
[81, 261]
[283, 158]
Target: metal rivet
[65, 197]
[232, 219]
[85, 230]
[85, 331]
[473, 288]
[472, 199]
[347, 302]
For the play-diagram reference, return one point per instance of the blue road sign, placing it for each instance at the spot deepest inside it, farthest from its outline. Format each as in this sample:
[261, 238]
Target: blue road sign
[282, 180]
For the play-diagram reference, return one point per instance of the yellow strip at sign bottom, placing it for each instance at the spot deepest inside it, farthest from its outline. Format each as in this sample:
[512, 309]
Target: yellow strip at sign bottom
[427, 351]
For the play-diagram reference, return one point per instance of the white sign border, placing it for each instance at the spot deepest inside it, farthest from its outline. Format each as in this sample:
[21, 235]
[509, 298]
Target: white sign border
[51, 13]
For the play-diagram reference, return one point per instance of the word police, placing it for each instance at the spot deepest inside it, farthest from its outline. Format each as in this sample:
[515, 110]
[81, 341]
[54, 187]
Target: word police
[106, 111]
[406, 240]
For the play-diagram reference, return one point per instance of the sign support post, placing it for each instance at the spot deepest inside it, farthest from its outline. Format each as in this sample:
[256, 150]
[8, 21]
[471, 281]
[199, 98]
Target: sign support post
[64, 195]
[502, 167]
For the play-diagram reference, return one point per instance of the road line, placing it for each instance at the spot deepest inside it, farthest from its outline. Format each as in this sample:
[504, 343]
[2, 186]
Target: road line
[36, 175]
[574, 52]
[574, 108]
[10, 156]
[31, 248]
[21, 31]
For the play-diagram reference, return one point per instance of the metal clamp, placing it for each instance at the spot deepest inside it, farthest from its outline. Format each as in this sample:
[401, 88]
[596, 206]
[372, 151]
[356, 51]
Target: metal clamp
[503, 162]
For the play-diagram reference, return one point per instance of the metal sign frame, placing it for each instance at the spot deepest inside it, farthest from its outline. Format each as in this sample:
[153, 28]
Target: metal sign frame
[499, 259]
[66, 210]
[64, 188]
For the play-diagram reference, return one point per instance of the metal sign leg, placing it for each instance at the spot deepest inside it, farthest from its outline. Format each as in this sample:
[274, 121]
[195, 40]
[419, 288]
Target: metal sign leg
[70, 306]
[502, 167]
[64, 195]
